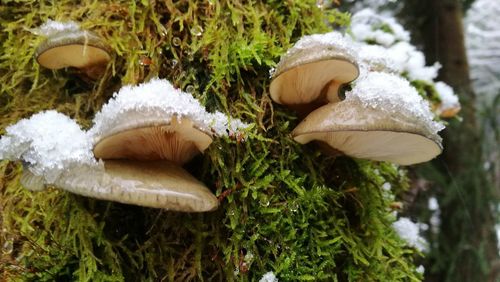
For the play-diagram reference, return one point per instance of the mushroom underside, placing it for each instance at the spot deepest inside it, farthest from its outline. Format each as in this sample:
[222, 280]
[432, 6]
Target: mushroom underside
[31, 181]
[73, 55]
[177, 142]
[311, 82]
[397, 147]
[156, 184]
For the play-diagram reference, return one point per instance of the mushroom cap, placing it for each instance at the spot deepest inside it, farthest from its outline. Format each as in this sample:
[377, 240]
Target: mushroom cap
[79, 49]
[156, 184]
[152, 139]
[312, 75]
[368, 133]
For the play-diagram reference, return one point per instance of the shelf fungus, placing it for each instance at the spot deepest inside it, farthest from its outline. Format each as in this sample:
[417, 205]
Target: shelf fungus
[156, 123]
[383, 118]
[310, 74]
[66, 45]
[56, 152]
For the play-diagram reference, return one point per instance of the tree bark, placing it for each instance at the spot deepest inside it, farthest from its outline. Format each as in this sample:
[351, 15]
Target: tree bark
[467, 243]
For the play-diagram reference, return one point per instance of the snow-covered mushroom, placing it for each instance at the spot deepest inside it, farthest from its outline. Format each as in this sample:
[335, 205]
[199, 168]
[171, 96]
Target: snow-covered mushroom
[156, 122]
[383, 118]
[311, 72]
[68, 46]
[55, 151]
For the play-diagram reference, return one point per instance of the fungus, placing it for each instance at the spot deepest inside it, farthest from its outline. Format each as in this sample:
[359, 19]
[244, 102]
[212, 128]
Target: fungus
[55, 151]
[311, 72]
[156, 184]
[68, 46]
[178, 141]
[156, 122]
[383, 118]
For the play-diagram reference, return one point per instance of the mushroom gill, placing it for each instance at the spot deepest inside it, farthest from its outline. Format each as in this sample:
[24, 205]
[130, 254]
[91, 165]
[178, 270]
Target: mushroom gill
[178, 141]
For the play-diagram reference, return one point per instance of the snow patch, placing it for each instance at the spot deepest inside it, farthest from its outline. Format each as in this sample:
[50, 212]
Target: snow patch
[409, 231]
[366, 25]
[448, 98]
[269, 277]
[53, 27]
[48, 143]
[393, 95]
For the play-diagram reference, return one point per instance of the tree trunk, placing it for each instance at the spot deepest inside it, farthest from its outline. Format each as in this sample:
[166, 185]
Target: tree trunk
[467, 243]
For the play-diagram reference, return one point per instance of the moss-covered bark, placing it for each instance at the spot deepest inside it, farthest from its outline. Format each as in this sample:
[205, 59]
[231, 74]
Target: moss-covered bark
[284, 207]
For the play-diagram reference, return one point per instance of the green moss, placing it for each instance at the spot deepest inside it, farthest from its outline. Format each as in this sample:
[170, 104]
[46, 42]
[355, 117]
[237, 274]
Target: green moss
[284, 207]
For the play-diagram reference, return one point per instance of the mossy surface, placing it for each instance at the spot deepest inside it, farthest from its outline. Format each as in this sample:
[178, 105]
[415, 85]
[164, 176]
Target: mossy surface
[284, 207]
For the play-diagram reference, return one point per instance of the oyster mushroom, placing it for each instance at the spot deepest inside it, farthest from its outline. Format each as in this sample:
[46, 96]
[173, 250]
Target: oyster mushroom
[155, 124]
[311, 72]
[383, 118]
[178, 141]
[156, 184]
[68, 46]
[349, 128]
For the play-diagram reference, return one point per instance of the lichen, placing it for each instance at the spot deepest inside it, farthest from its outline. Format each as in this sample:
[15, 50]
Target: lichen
[303, 215]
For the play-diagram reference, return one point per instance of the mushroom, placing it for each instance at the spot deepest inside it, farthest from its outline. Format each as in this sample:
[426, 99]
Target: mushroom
[351, 129]
[311, 72]
[155, 124]
[383, 118]
[31, 181]
[156, 184]
[68, 46]
[178, 141]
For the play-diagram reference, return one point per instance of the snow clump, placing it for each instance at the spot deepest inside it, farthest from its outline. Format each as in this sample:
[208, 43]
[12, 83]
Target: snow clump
[409, 231]
[366, 25]
[53, 27]
[48, 143]
[393, 95]
[269, 277]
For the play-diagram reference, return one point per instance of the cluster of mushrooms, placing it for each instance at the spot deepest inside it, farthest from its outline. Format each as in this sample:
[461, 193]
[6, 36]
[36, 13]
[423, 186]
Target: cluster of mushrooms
[141, 137]
[382, 118]
[145, 133]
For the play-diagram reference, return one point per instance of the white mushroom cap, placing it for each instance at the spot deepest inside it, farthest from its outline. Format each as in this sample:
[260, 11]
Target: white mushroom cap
[368, 133]
[312, 71]
[178, 141]
[79, 49]
[151, 184]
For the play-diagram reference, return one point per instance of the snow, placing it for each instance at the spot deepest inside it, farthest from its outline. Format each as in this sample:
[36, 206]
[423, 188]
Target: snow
[367, 25]
[435, 220]
[409, 60]
[269, 277]
[393, 53]
[386, 186]
[376, 59]
[158, 100]
[314, 47]
[53, 27]
[433, 204]
[483, 47]
[409, 231]
[393, 95]
[48, 143]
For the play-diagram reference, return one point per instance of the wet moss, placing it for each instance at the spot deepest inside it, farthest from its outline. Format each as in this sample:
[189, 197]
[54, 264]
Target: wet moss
[284, 207]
